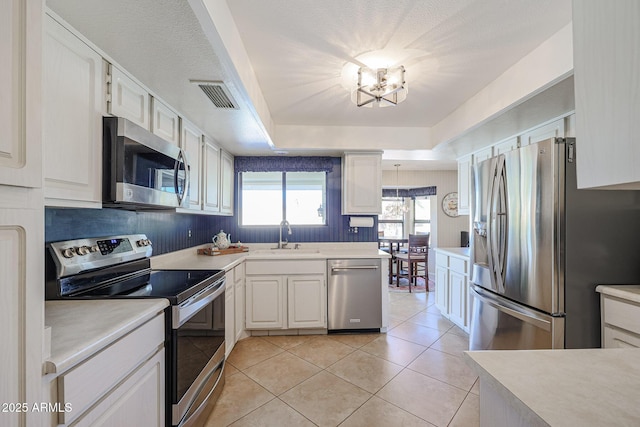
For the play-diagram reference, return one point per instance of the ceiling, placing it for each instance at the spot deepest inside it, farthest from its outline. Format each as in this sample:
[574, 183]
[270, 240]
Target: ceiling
[297, 51]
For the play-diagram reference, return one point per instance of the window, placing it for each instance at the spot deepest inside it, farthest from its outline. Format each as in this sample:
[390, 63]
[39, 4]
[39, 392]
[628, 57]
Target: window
[268, 198]
[422, 215]
[391, 222]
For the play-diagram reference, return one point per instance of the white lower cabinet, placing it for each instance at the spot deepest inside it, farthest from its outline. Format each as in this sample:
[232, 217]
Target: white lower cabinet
[620, 316]
[229, 316]
[452, 287]
[239, 300]
[286, 294]
[122, 384]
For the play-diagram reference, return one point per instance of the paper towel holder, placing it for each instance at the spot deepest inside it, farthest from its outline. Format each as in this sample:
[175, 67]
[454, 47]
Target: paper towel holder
[360, 221]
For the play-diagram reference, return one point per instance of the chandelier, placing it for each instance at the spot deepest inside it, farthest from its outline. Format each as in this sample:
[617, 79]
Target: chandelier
[385, 86]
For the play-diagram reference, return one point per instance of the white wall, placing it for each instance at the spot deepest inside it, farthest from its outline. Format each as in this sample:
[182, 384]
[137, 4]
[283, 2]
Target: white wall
[445, 231]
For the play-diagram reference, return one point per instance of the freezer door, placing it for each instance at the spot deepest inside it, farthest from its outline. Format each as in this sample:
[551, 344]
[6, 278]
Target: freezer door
[500, 324]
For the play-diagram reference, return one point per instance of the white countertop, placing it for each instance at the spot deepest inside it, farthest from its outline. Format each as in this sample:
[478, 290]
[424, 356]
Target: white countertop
[80, 329]
[457, 252]
[188, 258]
[628, 292]
[590, 387]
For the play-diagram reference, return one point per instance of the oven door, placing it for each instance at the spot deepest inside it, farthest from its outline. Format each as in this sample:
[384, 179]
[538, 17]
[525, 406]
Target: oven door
[197, 361]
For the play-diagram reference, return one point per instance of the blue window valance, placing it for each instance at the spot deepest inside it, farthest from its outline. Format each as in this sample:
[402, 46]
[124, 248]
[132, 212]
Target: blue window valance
[409, 192]
[285, 164]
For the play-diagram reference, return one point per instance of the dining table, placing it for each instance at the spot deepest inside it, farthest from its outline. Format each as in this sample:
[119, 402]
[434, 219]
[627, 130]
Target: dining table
[394, 243]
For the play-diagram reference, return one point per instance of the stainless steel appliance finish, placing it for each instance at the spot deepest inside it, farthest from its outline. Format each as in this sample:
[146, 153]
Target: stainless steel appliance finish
[354, 294]
[539, 247]
[119, 267]
[141, 170]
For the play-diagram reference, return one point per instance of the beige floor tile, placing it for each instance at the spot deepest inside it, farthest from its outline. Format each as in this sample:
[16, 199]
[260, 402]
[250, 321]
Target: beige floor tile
[239, 396]
[252, 351]
[322, 351]
[476, 387]
[469, 413]
[378, 413]
[274, 413]
[281, 372]
[445, 367]
[432, 320]
[286, 341]
[394, 322]
[415, 333]
[365, 370]
[458, 331]
[325, 399]
[425, 397]
[452, 344]
[433, 309]
[354, 340]
[403, 311]
[229, 369]
[396, 350]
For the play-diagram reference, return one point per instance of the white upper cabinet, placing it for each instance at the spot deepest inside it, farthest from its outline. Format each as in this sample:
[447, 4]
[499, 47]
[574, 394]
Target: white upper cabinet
[554, 129]
[191, 143]
[165, 122]
[72, 119]
[606, 51]
[20, 93]
[226, 184]
[362, 183]
[464, 184]
[211, 176]
[126, 98]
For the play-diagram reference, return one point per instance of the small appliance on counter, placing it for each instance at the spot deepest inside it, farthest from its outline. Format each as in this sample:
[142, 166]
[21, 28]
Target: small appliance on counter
[119, 267]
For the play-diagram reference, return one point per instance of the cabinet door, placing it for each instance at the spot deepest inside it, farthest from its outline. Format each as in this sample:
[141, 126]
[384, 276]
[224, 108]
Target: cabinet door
[362, 183]
[226, 185]
[264, 297]
[505, 146]
[229, 318]
[21, 301]
[72, 119]
[554, 129]
[464, 184]
[211, 176]
[307, 301]
[442, 290]
[458, 298]
[127, 99]
[165, 122]
[191, 143]
[20, 93]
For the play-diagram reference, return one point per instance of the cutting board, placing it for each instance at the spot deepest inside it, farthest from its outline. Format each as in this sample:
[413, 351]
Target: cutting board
[216, 251]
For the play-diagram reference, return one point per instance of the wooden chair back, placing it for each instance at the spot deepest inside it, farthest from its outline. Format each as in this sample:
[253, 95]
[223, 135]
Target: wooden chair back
[418, 246]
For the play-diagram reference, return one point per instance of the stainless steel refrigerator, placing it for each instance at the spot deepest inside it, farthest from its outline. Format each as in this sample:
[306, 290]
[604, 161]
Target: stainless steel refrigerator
[540, 246]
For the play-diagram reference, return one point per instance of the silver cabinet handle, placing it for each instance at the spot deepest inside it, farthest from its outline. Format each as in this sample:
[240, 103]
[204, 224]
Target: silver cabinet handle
[356, 267]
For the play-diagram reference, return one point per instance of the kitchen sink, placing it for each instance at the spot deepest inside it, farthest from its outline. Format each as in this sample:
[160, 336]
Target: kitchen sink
[284, 252]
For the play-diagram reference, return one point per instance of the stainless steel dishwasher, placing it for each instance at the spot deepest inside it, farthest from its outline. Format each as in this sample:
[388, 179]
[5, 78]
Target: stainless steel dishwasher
[355, 294]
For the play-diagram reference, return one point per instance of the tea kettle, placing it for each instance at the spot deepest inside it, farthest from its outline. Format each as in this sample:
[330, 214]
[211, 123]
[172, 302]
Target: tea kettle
[221, 240]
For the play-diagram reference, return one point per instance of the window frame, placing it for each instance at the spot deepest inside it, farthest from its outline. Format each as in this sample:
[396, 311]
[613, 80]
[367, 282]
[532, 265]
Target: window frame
[393, 221]
[415, 217]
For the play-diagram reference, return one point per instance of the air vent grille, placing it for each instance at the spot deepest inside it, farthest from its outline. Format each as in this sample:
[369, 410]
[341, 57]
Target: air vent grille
[218, 94]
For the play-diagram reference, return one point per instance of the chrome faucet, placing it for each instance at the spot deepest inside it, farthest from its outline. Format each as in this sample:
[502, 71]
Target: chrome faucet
[282, 244]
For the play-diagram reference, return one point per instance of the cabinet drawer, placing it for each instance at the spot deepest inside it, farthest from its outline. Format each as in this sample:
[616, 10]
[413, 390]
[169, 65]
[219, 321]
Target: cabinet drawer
[88, 382]
[617, 338]
[458, 265]
[286, 267]
[442, 260]
[622, 314]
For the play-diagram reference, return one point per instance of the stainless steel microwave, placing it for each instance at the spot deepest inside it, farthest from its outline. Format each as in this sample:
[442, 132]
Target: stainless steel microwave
[141, 170]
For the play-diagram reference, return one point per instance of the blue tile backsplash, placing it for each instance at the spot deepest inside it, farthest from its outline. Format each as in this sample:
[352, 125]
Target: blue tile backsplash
[169, 231]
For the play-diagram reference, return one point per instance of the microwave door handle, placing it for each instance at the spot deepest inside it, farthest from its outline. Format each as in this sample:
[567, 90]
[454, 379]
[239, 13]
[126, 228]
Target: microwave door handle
[182, 158]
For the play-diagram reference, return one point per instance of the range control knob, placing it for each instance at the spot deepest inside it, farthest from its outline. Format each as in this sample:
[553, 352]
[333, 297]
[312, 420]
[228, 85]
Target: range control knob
[93, 248]
[68, 253]
[143, 242]
[82, 250]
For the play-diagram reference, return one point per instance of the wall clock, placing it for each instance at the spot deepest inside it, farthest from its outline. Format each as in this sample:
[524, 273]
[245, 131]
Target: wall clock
[450, 205]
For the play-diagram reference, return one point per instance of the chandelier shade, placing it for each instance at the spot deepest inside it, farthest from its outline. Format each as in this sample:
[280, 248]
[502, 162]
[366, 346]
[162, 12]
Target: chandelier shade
[383, 86]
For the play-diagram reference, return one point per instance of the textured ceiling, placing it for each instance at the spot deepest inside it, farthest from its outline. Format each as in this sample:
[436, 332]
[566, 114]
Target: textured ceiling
[298, 49]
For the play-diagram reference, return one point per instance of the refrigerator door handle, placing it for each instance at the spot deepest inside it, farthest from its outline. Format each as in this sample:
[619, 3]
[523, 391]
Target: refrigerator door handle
[490, 225]
[497, 225]
[527, 316]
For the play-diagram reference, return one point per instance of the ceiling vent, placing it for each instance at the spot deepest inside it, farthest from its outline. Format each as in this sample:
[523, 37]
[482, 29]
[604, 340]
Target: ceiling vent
[218, 93]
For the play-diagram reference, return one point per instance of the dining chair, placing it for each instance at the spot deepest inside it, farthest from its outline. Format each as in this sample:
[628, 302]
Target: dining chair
[416, 258]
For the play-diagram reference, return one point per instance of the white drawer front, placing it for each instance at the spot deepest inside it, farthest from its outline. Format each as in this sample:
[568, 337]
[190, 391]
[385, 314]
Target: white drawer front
[286, 267]
[442, 260]
[458, 264]
[622, 314]
[83, 385]
[616, 338]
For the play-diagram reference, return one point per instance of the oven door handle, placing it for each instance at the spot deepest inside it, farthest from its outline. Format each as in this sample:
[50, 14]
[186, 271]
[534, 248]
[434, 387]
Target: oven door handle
[193, 414]
[186, 310]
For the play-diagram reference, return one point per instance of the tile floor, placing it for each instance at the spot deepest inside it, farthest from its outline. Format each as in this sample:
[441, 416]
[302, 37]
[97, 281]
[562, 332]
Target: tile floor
[414, 375]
